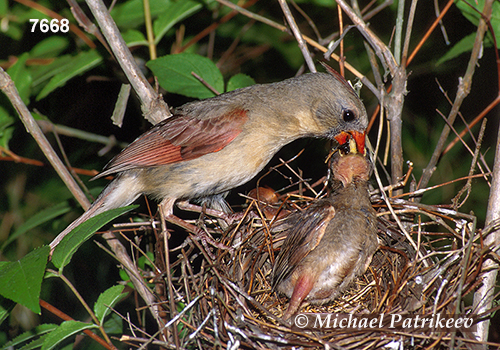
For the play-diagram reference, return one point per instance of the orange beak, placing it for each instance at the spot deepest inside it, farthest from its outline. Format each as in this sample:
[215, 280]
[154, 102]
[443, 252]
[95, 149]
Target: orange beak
[343, 137]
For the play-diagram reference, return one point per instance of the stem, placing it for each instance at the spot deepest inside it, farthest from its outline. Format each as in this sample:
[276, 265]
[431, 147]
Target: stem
[82, 301]
[399, 32]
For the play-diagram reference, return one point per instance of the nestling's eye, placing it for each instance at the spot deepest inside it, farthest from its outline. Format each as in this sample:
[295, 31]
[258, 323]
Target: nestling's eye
[348, 115]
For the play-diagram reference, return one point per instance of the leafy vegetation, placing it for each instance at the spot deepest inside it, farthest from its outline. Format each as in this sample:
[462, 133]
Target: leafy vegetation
[70, 82]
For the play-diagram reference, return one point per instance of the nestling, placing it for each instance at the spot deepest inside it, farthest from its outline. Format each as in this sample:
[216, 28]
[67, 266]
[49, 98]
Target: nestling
[209, 147]
[331, 242]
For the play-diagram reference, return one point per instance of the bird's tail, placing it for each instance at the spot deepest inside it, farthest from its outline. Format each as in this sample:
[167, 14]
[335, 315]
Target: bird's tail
[119, 193]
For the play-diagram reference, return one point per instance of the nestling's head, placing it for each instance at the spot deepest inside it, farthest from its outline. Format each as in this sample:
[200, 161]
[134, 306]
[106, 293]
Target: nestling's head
[348, 165]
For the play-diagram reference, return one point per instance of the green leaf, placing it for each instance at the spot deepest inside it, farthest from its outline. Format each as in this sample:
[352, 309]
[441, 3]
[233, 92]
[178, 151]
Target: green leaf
[50, 47]
[32, 338]
[134, 38]
[130, 14]
[21, 77]
[238, 81]
[473, 14]
[64, 331]
[113, 324]
[174, 13]
[174, 74]
[80, 64]
[107, 299]
[142, 262]
[6, 305]
[42, 74]
[4, 5]
[38, 219]
[21, 281]
[464, 45]
[69, 245]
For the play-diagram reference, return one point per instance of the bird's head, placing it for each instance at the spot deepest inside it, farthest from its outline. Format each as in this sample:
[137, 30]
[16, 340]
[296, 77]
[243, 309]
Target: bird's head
[338, 110]
[349, 165]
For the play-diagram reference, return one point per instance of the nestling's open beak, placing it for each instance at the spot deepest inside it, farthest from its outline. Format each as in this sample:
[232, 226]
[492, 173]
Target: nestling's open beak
[344, 137]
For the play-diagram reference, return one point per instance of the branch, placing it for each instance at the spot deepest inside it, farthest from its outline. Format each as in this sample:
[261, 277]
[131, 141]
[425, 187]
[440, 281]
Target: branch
[10, 90]
[462, 93]
[483, 298]
[153, 107]
[298, 35]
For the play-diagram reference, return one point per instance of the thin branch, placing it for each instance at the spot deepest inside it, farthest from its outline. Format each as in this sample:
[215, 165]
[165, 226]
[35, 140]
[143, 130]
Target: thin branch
[310, 41]
[462, 93]
[152, 105]
[10, 90]
[483, 298]
[298, 35]
[381, 49]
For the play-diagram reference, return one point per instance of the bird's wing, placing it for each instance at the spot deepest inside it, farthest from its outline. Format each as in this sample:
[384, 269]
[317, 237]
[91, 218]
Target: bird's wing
[303, 238]
[181, 137]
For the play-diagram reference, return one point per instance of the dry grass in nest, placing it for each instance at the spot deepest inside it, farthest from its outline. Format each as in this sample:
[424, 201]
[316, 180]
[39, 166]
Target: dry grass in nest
[429, 262]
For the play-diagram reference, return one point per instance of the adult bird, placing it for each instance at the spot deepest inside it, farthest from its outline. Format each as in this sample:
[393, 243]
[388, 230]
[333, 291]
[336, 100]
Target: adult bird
[210, 146]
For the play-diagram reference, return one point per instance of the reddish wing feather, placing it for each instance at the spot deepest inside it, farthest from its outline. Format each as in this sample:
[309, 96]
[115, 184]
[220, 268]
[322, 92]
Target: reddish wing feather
[303, 238]
[176, 139]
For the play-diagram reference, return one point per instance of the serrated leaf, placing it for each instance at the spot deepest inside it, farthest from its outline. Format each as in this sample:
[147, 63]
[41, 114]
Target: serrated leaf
[107, 299]
[174, 74]
[36, 220]
[21, 77]
[21, 281]
[69, 245]
[239, 81]
[174, 13]
[80, 64]
[64, 331]
[33, 337]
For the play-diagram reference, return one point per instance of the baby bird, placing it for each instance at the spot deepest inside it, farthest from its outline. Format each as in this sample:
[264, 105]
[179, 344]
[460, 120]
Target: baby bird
[331, 242]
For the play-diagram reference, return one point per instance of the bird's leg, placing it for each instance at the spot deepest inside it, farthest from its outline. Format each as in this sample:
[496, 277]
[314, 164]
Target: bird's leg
[302, 288]
[229, 218]
[167, 206]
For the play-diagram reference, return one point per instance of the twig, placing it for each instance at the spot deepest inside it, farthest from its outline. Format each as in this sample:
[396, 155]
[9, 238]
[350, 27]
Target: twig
[55, 311]
[298, 35]
[462, 93]
[46, 126]
[152, 105]
[10, 90]
[310, 41]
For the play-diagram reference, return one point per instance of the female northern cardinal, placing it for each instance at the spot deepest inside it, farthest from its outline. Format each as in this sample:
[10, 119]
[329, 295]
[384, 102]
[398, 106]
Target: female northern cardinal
[332, 241]
[211, 146]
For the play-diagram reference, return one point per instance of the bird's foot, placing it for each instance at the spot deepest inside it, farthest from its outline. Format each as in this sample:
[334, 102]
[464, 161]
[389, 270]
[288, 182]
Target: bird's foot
[229, 218]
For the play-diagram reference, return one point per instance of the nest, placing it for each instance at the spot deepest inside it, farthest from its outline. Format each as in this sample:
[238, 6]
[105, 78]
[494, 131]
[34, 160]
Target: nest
[216, 292]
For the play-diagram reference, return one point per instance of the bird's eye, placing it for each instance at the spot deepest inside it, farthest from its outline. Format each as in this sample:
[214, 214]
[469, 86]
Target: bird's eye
[348, 115]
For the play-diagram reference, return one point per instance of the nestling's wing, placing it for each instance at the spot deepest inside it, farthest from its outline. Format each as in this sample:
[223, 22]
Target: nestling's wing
[307, 231]
[181, 137]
